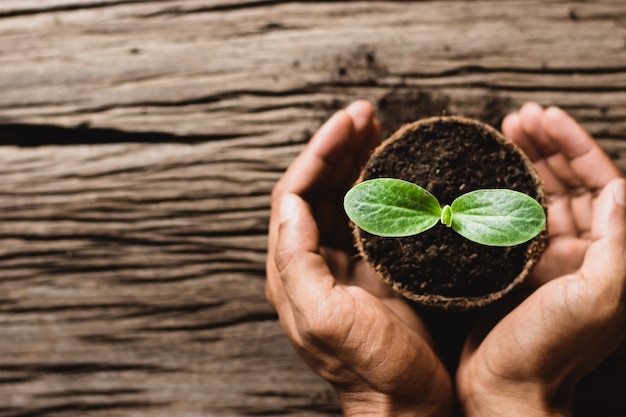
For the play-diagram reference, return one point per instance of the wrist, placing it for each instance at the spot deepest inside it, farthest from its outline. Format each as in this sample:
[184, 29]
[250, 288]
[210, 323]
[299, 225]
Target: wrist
[523, 399]
[505, 406]
[365, 404]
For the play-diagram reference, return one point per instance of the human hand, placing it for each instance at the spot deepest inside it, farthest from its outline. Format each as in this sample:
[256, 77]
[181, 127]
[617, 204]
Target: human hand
[529, 363]
[343, 322]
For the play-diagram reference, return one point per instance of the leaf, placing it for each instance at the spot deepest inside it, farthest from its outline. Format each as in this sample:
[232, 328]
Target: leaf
[497, 217]
[391, 207]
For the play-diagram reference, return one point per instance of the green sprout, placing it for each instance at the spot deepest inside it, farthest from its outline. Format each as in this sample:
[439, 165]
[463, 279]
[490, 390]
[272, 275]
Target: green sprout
[395, 208]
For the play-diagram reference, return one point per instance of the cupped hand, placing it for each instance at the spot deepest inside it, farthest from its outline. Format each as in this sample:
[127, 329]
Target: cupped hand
[529, 363]
[345, 324]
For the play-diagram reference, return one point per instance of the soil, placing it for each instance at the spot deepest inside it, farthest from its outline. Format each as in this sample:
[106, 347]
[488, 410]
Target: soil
[402, 105]
[450, 156]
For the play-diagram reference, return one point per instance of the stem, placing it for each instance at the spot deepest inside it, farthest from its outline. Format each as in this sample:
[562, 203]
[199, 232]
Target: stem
[446, 215]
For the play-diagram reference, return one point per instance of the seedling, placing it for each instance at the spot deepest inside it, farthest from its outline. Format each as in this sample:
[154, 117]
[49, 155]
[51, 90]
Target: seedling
[395, 208]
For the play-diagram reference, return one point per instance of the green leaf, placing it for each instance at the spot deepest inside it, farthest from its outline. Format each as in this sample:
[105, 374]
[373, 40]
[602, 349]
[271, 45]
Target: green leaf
[497, 217]
[391, 208]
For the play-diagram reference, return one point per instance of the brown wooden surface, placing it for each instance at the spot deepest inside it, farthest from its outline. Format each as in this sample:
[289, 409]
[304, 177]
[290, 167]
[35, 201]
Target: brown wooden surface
[140, 142]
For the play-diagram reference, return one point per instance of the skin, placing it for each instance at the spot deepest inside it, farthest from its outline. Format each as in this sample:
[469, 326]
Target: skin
[374, 349]
[531, 361]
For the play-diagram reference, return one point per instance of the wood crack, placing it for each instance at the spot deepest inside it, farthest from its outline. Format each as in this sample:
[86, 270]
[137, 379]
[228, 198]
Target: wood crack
[71, 7]
[226, 7]
[32, 135]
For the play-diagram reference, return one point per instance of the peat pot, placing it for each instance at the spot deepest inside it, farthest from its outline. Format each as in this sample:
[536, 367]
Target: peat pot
[450, 156]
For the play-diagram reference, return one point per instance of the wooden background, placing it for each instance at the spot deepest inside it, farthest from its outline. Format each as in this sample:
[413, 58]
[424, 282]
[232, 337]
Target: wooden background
[140, 142]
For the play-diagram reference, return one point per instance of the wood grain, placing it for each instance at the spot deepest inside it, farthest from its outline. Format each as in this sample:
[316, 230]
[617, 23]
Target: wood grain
[141, 141]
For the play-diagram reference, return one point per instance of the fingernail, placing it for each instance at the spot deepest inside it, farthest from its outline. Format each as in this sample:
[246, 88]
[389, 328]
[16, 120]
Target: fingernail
[619, 193]
[288, 207]
[360, 111]
[355, 106]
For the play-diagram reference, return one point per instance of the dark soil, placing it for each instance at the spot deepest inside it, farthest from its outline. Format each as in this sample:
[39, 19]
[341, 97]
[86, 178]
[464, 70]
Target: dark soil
[450, 157]
[402, 105]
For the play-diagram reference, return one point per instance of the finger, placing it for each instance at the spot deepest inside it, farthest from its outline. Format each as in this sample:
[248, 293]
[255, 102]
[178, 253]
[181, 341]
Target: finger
[361, 114]
[597, 294]
[296, 236]
[319, 162]
[560, 141]
[581, 165]
[590, 165]
[304, 274]
[531, 115]
[331, 152]
[311, 167]
[609, 225]
[533, 120]
[588, 306]
[346, 159]
[513, 129]
[372, 140]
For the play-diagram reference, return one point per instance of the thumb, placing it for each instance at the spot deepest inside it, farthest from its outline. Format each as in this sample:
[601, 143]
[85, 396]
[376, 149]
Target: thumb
[598, 290]
[605, 260]
[297, 230]
[305, 275]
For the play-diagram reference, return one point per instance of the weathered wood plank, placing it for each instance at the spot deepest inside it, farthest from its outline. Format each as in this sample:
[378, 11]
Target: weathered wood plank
[132, 273]
[248, 70]
[130, 285]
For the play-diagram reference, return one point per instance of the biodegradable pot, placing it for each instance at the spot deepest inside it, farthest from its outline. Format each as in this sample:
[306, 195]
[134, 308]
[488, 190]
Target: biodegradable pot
[450, 156]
